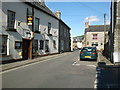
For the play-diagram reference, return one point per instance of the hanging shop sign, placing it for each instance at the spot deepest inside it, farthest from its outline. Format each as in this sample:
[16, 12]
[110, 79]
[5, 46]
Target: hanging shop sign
[29, 20]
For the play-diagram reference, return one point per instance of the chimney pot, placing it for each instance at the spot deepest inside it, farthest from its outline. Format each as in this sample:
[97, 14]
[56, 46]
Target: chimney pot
[58, 14]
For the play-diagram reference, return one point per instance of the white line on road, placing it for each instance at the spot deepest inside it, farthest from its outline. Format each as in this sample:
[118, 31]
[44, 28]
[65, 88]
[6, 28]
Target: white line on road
[91, 65]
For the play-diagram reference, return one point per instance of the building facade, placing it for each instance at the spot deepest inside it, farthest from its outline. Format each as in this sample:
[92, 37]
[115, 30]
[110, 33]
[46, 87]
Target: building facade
[28, 29]
[113, 50]
[78, 42]
[95, 36]
[64, 37]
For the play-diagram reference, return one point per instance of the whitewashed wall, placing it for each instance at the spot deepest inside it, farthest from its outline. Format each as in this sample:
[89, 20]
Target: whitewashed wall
[43, 28]
[21, 11]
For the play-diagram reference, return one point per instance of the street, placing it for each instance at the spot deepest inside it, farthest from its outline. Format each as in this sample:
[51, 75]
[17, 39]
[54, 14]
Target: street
[66, 71]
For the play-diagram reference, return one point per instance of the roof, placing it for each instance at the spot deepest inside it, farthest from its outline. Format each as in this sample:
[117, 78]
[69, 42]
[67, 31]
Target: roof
[43, 8]
[97, 28]
[46, 10]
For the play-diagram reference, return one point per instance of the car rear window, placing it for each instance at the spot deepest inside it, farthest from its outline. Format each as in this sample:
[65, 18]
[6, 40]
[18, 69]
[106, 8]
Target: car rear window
[88, 49]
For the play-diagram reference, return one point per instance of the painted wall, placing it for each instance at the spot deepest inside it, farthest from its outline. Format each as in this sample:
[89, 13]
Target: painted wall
[20, 10]
[100, 39]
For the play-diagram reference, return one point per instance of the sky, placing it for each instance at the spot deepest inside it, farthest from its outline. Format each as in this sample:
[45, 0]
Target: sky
[75, 14]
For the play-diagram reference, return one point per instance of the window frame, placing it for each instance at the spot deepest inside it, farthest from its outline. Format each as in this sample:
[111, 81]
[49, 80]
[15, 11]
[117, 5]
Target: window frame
[49, 27]
[19, 42]
[6, 45]
[95, 36]
[41, 44]
[37, 25]
[11, 14]
[54, 44]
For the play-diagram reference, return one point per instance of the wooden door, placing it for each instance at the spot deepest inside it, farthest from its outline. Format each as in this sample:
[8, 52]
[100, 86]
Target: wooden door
[26, 49]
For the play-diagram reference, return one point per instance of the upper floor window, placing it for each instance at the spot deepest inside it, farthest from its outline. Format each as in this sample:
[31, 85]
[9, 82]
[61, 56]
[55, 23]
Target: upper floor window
[10, 20]
[49, 28]
[95, 36]
[3, 45]
[65, 32]
[37, 24]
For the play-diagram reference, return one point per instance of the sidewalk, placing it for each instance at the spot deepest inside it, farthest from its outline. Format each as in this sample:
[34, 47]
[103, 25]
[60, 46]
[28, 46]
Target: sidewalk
[25, 62]
[108, 74]
[102, 58]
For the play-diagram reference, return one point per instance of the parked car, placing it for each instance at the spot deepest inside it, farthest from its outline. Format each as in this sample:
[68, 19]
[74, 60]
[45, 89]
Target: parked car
[88, 53]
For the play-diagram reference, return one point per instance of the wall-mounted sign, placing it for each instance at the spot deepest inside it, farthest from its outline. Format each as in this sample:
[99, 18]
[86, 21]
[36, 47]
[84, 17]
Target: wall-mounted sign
[29, 20]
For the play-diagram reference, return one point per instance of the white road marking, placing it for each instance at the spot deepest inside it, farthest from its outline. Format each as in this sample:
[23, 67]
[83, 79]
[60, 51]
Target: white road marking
[75, 63]
[91, 65]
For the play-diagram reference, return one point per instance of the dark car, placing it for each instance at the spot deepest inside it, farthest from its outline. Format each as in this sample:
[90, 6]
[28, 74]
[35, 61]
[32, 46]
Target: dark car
[88, 53]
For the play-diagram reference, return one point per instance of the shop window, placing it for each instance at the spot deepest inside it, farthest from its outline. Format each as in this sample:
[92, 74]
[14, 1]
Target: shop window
[41, 44]
[47, 46]
[3, 45]
[35, 47]
[54, 44]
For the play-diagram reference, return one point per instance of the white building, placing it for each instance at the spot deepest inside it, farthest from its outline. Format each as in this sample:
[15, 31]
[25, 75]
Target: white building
[20, 38]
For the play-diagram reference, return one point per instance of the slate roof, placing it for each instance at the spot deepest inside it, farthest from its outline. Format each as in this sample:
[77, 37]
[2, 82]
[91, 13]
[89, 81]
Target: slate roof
[46, 10]
[43, 8]
[97, 28]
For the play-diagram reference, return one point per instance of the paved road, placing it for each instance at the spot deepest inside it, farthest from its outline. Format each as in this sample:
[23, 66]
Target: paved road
[65, 71]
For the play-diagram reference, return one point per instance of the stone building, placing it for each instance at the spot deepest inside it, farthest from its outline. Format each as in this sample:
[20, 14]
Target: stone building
[95, 36]
[113, 50]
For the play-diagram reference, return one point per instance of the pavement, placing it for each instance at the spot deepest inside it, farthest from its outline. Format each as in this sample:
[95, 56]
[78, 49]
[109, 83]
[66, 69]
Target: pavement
[107, 74]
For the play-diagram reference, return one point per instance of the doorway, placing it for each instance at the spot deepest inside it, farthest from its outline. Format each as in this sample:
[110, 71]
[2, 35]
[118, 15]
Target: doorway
[26, 49]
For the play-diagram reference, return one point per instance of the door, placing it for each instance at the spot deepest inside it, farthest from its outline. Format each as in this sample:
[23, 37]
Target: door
[26, 49]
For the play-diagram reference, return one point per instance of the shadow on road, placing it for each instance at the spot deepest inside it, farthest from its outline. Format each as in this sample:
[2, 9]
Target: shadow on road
[88, 60]
[108, 76]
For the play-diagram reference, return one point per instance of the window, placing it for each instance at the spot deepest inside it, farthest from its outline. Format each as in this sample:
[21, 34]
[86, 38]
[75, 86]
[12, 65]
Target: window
[3, 45]
[49, 28]
[11, 20]
[95, 44]
[47, 46]
[18, 45]
[35, 47]
[37, 24]
[64, 32]
[54, 44]
[41, 44]
[94, 36]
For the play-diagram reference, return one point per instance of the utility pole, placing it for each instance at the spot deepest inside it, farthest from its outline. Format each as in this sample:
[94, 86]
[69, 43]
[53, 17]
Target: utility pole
[104, 28]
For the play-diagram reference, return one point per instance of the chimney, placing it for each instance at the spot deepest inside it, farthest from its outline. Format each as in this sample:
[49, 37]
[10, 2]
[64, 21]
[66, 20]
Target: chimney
[58, 14]
[86, 24]
[42, 2]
